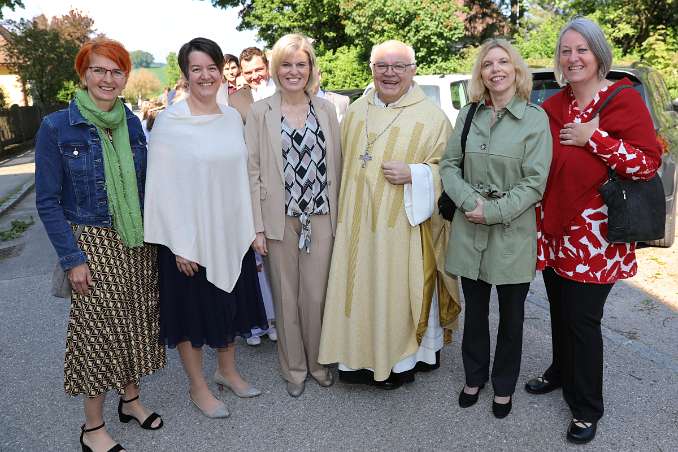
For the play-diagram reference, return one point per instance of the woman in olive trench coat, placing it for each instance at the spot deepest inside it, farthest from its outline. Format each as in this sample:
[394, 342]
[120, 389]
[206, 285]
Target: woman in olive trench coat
[494, 236]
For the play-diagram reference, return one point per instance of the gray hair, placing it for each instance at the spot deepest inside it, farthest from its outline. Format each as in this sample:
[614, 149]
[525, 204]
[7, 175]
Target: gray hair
[393, 42]
[595, 38]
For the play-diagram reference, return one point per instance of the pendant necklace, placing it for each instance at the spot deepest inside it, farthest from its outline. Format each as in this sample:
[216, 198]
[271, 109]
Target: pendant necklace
[366, 157]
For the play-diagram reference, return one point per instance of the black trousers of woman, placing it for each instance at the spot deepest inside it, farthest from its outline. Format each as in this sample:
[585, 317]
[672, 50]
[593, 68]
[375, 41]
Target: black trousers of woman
[576, 311]
[475, 345]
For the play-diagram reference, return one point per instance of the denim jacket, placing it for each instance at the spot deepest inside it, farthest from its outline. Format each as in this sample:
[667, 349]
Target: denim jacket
[70, 185]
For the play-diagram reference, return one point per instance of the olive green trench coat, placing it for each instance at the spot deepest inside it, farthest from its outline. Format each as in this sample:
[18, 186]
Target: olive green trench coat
[507, 164]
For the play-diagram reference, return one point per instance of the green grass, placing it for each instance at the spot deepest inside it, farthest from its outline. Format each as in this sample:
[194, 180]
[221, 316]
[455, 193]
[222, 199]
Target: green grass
[17, 228]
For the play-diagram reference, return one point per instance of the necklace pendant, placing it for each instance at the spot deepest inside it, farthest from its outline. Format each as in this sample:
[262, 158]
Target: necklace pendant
[366, 157]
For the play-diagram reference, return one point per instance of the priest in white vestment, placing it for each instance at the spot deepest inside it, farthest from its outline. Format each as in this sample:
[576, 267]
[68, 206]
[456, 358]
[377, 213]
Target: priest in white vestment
[390, 306]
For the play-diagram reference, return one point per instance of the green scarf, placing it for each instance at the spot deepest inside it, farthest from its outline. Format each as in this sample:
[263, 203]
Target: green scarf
[121, 178]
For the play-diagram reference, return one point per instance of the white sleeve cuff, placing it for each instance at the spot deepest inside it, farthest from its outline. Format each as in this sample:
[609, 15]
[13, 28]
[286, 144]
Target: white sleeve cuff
[419, 196]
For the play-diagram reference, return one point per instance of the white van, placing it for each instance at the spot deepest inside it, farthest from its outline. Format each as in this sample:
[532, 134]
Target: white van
[449, 91]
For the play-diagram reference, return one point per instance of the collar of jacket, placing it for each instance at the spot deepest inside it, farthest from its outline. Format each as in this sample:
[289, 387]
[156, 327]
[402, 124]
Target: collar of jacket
[75, 117]
[516, 106]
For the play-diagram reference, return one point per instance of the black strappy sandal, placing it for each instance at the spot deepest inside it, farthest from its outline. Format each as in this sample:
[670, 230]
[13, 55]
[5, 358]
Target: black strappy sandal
[147, 424]
[86, 448]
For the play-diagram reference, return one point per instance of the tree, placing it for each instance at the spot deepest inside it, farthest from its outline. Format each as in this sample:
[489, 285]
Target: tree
[11, 4]
[630, 22]
[141, 83]
[74, 26]
[432, 27]
[172, 69]
[42, 58]
[141, 58]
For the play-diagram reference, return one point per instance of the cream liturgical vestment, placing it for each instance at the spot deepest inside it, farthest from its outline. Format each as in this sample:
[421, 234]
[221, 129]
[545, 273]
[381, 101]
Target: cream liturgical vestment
[386, 271]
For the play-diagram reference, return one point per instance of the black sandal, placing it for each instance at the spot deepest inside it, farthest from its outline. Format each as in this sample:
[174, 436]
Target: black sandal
[86, 448]
[147, 424]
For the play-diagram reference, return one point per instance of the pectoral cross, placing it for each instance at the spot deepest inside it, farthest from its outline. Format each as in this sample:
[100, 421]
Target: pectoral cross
[366, 157]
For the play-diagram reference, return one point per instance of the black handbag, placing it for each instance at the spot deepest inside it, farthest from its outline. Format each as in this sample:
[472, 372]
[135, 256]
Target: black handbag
[636, 209]
[446, 206]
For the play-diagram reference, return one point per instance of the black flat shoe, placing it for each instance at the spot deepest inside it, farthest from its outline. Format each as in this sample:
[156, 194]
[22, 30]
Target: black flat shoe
[466, 400]
[426, 367]
[581, 432]
[86, 448]
[395, 380]
[501, 410]
[147, 424]
[356, 377]
[540, 385]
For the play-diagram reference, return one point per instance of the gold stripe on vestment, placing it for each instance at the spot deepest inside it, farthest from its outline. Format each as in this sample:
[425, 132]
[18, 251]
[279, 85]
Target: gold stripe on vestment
[397, 194]
[377, 200]
[355, 224]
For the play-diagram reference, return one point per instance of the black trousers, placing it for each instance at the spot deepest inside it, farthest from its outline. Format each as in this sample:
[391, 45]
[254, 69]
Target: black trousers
[576, 311]
[475, 345]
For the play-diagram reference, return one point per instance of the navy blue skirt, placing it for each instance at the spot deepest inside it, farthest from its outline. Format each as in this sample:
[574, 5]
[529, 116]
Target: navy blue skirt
[193, 309]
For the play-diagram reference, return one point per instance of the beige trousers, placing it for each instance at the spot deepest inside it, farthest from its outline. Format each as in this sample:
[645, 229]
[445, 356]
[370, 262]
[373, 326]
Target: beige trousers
[298, 284]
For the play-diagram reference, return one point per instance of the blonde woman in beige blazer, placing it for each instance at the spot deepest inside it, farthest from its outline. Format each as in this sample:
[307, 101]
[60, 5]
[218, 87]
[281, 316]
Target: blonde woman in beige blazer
[295, 169]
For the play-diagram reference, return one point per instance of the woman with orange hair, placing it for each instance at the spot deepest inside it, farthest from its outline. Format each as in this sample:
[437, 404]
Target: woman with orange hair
[90, 174]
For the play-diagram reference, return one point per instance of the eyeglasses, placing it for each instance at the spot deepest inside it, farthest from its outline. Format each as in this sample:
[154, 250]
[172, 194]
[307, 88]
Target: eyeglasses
[398, 68]
[100, 72]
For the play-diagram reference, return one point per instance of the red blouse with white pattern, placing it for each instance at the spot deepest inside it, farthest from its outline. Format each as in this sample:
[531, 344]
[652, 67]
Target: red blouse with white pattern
[582, 253]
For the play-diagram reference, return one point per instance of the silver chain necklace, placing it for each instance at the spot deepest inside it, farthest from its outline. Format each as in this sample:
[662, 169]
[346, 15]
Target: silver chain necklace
[366, 157]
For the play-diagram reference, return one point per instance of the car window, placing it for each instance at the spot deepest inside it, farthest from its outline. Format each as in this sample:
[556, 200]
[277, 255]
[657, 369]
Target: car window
[542, 90]
[433, 92]
[459, 98]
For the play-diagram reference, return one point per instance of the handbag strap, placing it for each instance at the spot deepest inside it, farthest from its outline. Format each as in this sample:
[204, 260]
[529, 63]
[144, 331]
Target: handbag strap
[610, 97]
[610, 172]
[464, 133]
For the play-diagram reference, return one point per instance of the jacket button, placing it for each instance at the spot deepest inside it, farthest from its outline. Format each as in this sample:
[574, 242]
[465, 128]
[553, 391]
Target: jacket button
[75, 152]
[483, 147]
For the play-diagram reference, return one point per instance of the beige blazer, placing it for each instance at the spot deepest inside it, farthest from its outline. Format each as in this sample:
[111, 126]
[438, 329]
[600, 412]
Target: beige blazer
[265, 162]
[242, 101]
[340, 102]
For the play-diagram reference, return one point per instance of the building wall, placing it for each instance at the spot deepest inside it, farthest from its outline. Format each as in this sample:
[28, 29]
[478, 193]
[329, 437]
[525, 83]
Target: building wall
[12, 87]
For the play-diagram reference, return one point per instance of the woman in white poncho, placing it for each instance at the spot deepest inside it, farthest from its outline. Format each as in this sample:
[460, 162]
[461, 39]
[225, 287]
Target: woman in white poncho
[198, 209]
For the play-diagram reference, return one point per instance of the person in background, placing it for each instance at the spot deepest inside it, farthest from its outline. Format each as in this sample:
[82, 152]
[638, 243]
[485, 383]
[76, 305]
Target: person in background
[228, 85]
[496, 184]
[294, 179]
[578, 264]
[198, 210]
[94, 188]
[339, 101]
[254, 67]
[231, 72]
[180, 91]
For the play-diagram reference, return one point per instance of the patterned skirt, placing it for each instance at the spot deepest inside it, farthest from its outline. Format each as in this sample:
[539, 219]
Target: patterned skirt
[112, 337]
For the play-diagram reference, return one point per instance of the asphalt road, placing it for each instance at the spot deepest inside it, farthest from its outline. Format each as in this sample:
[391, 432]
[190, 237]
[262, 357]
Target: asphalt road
[641, 385]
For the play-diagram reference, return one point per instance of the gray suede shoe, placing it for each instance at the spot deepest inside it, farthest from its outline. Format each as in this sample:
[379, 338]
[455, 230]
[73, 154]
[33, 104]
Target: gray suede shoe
[295, 390]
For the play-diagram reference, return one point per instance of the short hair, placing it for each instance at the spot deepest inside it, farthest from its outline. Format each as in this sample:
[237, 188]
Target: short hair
[477, 89]
[105, 47]
[204, 45]
[390, 42]
[594, 37]
[292, 43]
[251, 52]
[228, 58]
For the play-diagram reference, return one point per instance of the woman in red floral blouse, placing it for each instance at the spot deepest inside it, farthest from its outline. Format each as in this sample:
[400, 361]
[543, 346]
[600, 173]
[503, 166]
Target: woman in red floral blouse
[579, 265]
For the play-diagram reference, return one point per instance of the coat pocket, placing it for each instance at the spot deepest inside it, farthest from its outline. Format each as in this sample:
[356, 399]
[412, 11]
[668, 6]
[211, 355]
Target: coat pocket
[78, 164]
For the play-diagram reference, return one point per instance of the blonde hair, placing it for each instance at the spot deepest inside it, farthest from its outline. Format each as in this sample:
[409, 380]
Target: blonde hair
[477, 89]
[292, 43]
